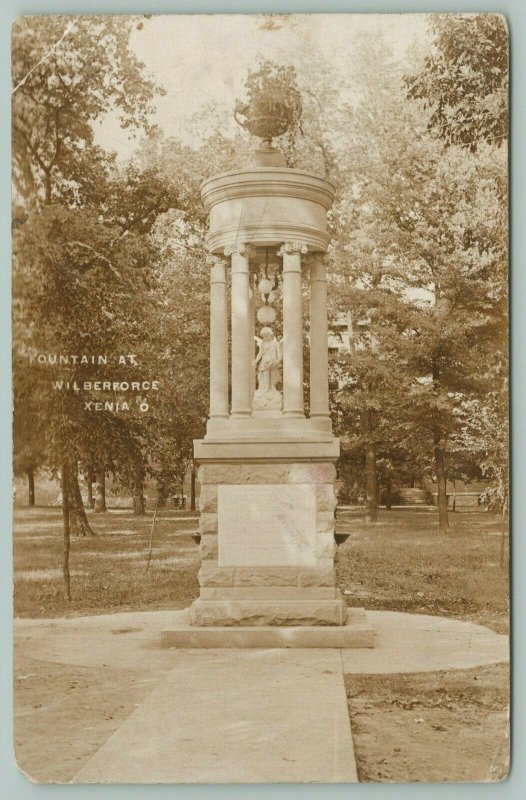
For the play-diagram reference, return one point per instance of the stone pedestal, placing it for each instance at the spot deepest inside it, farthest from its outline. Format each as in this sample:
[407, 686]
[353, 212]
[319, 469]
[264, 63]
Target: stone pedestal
[267, 540]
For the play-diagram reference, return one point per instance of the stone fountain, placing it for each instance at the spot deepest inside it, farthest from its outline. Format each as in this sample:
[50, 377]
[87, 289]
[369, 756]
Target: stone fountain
[266, 468]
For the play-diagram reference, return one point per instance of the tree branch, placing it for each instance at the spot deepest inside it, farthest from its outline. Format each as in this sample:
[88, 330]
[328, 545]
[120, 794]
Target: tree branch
[99, 255]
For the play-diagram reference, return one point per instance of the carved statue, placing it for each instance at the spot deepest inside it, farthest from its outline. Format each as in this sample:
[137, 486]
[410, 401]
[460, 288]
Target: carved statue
[268, 363]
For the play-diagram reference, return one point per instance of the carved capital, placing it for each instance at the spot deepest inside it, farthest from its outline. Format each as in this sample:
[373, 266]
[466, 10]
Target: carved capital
[288, 248]
[216, 260]
[317, 258]
[240, 249]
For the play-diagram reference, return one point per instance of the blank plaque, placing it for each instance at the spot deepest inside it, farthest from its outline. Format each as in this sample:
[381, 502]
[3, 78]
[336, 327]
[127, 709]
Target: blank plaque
[267, 525]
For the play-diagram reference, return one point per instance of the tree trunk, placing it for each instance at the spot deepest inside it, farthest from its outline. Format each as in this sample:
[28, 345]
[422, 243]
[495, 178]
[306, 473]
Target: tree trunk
[138, 503]
[138, 491]
[78, 520]
[440, 467]
[371, 514]
[30, 487]
[161, 497]
[89, 484]
[371, 511]
[100, 490]
[67, 538]
[388, 494]
[192, 487]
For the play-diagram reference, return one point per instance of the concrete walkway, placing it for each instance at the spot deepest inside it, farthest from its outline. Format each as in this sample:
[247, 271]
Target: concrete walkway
[238, 715]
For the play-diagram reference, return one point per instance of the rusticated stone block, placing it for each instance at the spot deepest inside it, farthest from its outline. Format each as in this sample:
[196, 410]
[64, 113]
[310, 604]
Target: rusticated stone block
[355, 632]
[208, 548]
[317, 576]
[212, 575]
[325, 522]
[325, 545]
[207, 523]
[208, 499]
[296, 472]
[325, 497]
[281, 593]
[267, 576]
[313, 473]
[264, 612]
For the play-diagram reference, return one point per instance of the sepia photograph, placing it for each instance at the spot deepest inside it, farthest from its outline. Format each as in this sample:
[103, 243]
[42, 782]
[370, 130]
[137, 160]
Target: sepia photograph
[260, 398]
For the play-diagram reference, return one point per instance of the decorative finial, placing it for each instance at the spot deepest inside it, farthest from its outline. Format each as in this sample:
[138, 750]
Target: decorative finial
[272, 109]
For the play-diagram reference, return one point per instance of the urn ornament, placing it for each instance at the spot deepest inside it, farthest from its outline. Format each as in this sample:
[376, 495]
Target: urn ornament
[273, 106]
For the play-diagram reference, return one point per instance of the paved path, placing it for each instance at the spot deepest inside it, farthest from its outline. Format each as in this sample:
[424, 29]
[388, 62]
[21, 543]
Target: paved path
[244, 715]
[236, 716]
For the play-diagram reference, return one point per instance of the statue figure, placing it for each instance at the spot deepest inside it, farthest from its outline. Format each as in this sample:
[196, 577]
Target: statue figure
[268, 363]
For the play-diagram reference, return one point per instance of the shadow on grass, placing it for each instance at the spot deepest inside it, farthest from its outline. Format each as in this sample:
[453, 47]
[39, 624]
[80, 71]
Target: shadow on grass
[404, 563]
[108, 570]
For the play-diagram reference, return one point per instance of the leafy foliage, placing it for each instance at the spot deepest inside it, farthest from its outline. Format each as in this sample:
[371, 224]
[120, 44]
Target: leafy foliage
[464, 81]
[111, 258]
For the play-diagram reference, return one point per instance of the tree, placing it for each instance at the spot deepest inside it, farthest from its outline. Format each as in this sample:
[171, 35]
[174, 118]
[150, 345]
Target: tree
[28, 430]
[81, 255]
[66, 75]
[419, 231]
[464, 81]
[482, 440]
[368, 395]
[181, 312]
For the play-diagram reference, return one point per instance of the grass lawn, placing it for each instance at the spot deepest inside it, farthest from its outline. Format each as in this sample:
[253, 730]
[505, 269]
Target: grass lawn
[403, 563]
[108, 570]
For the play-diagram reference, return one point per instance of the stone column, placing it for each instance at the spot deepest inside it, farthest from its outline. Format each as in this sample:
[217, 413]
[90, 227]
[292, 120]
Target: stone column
[319, 347]
[292, 329]
[241, 365]
[252, 323]
[218, 339]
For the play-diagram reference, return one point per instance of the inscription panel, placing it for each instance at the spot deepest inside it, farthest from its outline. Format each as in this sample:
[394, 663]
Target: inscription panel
[267, 525]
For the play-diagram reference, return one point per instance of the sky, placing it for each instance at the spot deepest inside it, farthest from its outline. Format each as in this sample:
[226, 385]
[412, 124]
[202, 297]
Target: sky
[204, 59]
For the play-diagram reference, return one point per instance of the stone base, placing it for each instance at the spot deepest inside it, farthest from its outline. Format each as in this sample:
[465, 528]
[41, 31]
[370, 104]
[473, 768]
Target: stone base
[356, 633]
[286, 612]
[267, 538]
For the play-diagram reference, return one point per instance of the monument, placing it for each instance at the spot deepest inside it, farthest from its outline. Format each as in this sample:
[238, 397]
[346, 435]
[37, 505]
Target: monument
[266, 468]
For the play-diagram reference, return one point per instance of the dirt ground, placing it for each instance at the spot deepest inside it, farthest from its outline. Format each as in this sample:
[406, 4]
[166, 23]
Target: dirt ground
[64, 713]
[431, 727]
[419, 727]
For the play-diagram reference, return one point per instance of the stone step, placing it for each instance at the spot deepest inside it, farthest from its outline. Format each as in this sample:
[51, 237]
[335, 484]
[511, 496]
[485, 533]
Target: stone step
[412, 496]
[356, 633]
